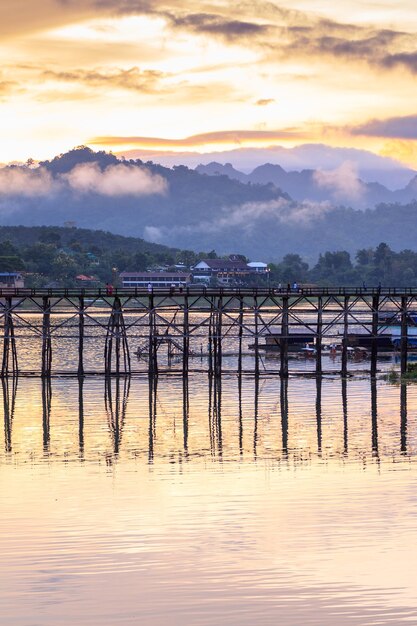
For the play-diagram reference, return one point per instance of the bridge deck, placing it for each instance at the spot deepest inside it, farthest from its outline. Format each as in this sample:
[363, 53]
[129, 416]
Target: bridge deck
[124, 292]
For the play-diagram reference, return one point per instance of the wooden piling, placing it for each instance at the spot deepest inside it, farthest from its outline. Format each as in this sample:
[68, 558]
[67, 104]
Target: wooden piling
[46, 337]
[9, 343]
[344, 370]
[319, 334]
[284, 338]
[81, 336]
[210, 341]
[116, 339]
[153, 358]
[186, 338]
[256, 313]
[240, 334]
[219, 332]
[374, 340]
[404, 335]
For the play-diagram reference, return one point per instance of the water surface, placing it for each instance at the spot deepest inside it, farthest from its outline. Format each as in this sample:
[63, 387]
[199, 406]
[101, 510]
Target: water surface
[236, 502]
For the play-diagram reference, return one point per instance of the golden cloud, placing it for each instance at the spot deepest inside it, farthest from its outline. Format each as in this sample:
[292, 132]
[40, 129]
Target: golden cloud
[219, 137]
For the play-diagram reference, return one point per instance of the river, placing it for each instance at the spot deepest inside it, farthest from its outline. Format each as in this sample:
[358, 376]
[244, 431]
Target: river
[186, 503]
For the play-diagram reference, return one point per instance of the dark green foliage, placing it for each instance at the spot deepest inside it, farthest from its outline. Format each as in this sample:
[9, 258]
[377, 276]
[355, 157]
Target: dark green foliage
[374, 266]
[11, 264]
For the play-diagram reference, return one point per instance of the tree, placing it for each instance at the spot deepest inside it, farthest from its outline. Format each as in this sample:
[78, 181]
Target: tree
[52, 237]
[8, 249]
[140, 261]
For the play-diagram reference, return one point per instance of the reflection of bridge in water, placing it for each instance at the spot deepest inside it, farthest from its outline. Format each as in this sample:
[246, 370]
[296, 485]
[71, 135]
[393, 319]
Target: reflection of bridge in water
[116, 400]
[199, 327]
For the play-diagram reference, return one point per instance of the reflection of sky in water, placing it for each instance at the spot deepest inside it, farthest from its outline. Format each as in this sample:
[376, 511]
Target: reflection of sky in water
[294, 506]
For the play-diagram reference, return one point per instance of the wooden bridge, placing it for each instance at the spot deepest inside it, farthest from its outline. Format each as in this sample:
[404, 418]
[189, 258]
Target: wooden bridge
[45, 328]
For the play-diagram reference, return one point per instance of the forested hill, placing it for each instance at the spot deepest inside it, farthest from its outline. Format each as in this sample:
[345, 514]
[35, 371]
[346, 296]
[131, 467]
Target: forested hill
[88, 239]
[184, 209]
[60, 254]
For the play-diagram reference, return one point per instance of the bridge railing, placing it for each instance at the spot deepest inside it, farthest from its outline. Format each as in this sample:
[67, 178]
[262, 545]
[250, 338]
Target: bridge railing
[203, 291]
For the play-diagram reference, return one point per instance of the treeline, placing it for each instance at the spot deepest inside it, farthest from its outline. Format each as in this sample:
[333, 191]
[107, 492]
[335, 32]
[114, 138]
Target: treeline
[56, 256]
[369, 267]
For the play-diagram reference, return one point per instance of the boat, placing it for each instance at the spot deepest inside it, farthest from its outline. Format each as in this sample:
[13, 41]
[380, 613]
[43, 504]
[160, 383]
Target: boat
[411, 336]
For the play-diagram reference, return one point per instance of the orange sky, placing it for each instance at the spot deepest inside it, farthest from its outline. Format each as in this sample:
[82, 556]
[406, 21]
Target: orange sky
[206, 75]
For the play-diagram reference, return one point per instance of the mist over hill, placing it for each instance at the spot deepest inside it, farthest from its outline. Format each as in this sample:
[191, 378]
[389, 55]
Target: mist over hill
[311, 156]
[340, 185]
[254, 214]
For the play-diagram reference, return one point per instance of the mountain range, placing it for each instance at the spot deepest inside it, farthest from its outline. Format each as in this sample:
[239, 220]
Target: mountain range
[338, 186]
[263, 214]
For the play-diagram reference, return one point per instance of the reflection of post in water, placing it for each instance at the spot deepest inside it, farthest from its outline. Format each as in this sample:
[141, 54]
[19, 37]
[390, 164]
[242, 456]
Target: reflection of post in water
[9, 400]
[81, 415]
[255, 425]
[46, 411]
[116, 405]
[153, 382]
[403, 399]
[374, 415]
[284, 414]
[239, 384]
[215, 420]
[185, 411]
[345, 415]
[318, 413]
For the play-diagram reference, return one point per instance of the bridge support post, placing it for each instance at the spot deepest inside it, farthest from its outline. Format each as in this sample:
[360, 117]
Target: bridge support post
[116, 332]
[374, 340]
[240, 332]
[319, 368]
[284, 338]
[256, 311]
[186, 338]
[345, 336]
[81, 336]
[9, 345]
[46, 337]
[404, 334]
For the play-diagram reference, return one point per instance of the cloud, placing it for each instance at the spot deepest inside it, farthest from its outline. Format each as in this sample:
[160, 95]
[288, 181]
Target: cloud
[245, 217]
[264, 102]
[342, 182]
[145, 81]
[406, 59]
[217, 25]
[218, 137]
[153, 233]
[7, 87]
[115, 180]
[393, 127]
[23, 181]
